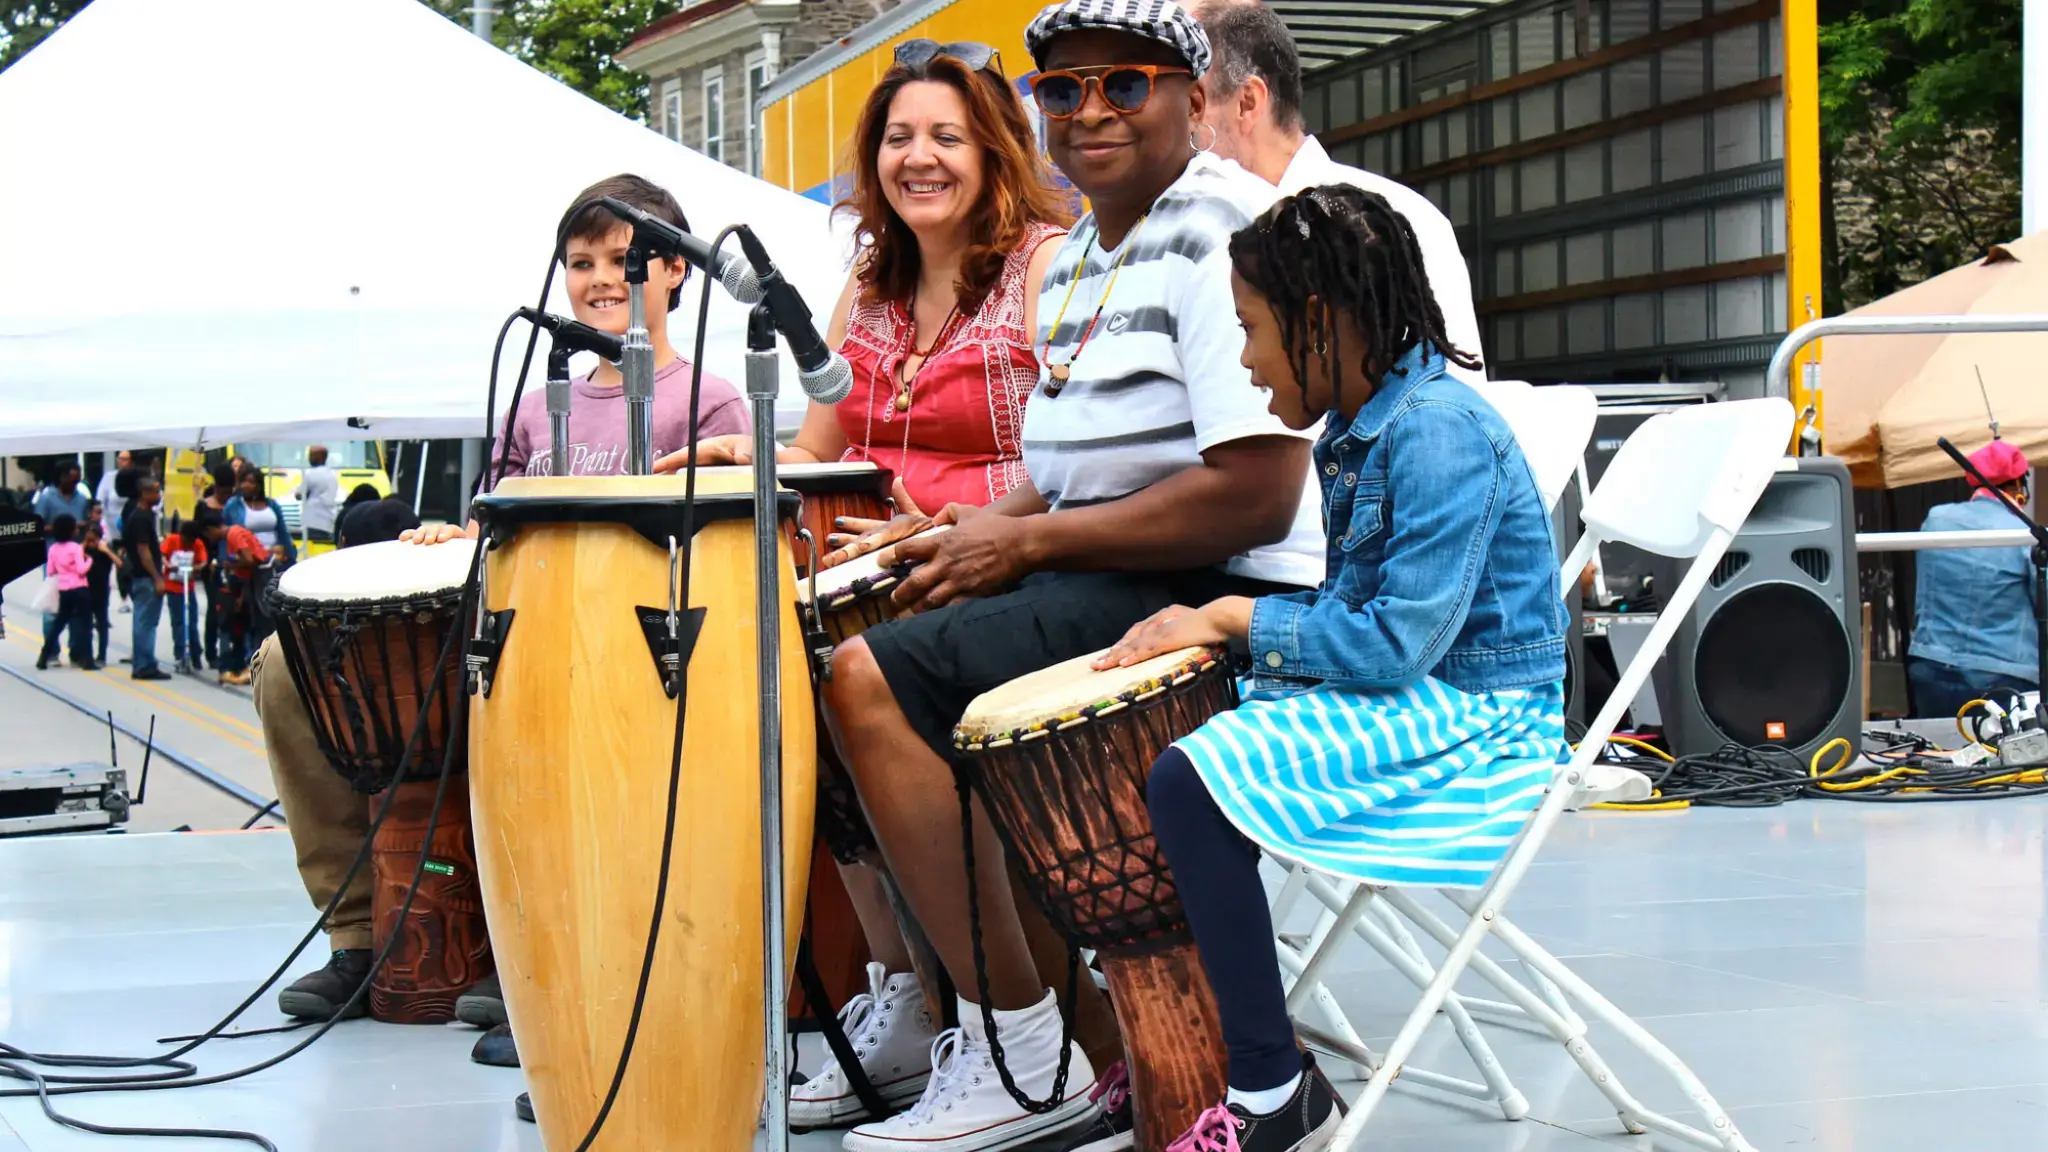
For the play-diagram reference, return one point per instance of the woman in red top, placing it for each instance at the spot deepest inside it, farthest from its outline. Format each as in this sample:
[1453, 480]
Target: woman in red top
[939, 318]
[938, 321]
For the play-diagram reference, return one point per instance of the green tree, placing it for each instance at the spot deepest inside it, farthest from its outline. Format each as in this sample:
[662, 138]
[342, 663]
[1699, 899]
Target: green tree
[26, 23]
[573, 41]
[1920, 125]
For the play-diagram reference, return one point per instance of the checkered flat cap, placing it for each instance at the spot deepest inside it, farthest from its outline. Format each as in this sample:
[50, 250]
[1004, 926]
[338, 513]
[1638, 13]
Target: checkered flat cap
[1160, 20]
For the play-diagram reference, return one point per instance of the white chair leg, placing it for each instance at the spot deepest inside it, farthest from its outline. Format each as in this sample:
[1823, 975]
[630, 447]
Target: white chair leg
[1496, 1089]
[1723, 1137]
[1492, 1010]
[1344, 1040]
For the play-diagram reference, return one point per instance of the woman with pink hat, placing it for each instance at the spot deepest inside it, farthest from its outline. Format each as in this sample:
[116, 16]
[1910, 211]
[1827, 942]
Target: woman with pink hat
[1973, 626]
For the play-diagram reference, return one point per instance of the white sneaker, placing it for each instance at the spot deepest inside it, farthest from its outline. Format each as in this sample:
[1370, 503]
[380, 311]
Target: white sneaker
[965, 1107]
[891, 1031]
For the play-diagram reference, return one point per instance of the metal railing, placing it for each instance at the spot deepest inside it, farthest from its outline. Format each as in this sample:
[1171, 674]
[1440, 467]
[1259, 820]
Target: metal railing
[1922, 541]
[1778, 380]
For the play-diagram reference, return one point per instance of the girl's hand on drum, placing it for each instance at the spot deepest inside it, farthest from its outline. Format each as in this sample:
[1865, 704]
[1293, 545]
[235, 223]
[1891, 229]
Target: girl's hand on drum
[981, 555]
[710, 452]
[438, 533]
[864, 536]
[1175, 628]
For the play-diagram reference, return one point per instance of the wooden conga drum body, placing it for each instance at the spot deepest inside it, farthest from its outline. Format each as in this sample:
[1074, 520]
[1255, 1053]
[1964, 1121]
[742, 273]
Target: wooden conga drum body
[363, 631]
[571, 739]
[1060, 759]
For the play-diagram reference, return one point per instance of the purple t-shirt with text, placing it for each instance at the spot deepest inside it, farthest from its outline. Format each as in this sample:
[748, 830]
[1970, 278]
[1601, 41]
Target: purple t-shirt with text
[597, 423]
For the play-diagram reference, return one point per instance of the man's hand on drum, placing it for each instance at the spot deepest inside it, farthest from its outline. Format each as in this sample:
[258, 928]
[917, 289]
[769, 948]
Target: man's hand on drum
[1222, 621]
[983, 554]
[438, 533]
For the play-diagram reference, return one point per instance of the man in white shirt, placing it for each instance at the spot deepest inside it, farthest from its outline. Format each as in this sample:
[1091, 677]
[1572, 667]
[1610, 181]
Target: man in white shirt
[319, 487]
[109, 496]
[1254, 108]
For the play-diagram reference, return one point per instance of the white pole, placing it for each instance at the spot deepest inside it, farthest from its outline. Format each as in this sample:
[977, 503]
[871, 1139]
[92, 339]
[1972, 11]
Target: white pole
[2034, 117]
[480, 19]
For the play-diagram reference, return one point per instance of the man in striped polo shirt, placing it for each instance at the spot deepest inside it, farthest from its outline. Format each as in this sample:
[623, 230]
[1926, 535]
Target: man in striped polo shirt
[1157, 477]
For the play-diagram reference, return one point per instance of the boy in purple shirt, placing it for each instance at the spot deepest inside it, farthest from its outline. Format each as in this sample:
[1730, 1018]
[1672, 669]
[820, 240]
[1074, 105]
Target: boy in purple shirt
[592, 247]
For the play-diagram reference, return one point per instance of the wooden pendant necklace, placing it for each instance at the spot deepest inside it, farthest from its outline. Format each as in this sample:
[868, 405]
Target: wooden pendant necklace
[924, 355]
[1058, 374]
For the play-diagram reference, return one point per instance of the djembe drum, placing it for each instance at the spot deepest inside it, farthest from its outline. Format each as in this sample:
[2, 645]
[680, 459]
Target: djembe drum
[571, 737]
[365, 632]
[1060, 759]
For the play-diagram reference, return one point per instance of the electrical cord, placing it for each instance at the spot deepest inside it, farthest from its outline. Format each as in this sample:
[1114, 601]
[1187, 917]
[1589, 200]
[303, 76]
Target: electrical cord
[180, 1073]
[675, 764]
[1911, 770]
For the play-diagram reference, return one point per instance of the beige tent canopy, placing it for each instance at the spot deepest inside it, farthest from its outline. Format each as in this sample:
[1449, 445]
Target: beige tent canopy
[1889, 397]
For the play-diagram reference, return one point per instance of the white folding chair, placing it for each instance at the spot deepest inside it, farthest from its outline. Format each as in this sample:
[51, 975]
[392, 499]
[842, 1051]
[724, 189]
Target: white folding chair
[1553, 426]
[1681, 487]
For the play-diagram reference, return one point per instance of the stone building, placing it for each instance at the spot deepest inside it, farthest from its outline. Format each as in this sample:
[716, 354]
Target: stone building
[708, 62]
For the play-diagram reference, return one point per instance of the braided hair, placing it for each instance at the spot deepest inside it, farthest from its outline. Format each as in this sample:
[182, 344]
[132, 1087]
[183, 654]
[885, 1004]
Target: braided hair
[1339, 250]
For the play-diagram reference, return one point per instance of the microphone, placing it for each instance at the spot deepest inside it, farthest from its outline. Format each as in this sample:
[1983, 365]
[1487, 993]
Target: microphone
[576, 335]
[669, 240]
[823, 373]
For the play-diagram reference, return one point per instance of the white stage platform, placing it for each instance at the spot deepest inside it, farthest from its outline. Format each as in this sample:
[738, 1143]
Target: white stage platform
[1846, 976]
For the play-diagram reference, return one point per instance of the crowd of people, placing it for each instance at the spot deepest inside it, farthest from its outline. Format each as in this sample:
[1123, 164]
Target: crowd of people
[205, 575]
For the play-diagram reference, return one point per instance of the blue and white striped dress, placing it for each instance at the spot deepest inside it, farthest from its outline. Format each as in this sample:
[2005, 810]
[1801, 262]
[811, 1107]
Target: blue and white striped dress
[1425, 785]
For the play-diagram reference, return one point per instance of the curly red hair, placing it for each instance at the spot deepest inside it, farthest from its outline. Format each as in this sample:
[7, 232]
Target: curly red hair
[1017, 188]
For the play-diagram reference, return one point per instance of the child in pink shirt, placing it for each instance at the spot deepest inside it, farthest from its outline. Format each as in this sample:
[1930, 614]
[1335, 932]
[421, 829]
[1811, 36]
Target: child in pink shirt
[67, 562]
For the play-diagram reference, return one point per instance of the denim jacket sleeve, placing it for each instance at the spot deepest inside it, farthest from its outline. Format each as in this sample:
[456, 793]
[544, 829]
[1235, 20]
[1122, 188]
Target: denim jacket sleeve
[234, 512]
[1446, 499]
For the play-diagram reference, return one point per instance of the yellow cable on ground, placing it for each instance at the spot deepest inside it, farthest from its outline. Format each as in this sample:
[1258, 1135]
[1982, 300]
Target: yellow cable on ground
[1964, 711]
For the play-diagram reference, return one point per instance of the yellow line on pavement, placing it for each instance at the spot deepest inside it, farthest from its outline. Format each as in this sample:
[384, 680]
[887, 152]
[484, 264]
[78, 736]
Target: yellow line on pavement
[172, 702]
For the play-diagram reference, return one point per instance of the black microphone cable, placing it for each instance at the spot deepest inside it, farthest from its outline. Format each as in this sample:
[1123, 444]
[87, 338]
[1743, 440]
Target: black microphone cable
[180, 1073]
[675, 763]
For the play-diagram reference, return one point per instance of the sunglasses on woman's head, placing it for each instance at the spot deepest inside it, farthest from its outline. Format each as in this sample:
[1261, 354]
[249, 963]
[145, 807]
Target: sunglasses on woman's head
[977, 57]
[1126, 88]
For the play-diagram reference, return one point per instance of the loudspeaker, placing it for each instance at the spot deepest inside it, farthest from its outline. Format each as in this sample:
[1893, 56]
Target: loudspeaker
[1566, 530]
[1771, 652]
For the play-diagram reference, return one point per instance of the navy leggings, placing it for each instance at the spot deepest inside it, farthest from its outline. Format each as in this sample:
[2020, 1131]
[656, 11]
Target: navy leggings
[1217, 871]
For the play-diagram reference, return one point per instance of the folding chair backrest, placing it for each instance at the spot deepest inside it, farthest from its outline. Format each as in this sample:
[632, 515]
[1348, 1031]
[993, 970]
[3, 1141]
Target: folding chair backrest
[1553, 425]
[1681, 486]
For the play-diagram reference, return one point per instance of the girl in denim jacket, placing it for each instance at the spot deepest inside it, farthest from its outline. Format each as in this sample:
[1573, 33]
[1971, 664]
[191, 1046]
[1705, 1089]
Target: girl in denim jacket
[1402, 720]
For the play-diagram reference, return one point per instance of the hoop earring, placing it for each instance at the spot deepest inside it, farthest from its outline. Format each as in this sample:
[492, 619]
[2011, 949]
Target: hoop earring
[1199, 148]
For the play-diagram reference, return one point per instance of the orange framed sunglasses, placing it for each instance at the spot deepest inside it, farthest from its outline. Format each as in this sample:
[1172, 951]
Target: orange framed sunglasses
[1126, 88]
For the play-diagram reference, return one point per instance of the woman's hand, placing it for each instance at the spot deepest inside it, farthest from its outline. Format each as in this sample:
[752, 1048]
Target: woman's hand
[1175, 628]
[864, 536]
[438, 534]
[982, 554]
[905, 506]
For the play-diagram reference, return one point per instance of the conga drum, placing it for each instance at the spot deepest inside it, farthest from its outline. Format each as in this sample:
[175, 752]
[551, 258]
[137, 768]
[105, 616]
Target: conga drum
[363, 632]
[828, 492]
[1060, 759]
[571, 737]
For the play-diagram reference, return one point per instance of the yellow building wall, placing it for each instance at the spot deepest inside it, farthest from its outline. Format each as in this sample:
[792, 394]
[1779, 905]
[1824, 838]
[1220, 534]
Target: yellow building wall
[807, 131]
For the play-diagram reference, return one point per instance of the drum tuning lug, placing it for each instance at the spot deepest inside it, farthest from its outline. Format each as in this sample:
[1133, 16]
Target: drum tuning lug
[670, 639]
[484, 649]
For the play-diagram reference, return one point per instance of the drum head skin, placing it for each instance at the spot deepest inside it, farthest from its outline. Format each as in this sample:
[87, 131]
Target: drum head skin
[860, 576]
[389, 570]
[1072, 693]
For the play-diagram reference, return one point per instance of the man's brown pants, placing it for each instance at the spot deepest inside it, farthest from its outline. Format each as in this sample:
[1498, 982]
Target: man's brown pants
[326, 817]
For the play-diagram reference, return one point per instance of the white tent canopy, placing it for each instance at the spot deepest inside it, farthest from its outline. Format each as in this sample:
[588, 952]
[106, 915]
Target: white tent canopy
[279, 220]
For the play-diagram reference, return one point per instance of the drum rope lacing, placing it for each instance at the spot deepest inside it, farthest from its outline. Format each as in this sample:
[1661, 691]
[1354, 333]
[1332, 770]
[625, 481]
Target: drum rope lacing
[1146, 692]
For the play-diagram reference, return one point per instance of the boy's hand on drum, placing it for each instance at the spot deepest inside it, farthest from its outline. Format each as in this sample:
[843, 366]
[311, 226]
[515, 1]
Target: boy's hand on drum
[1172, 629]
[861, 537]
[711, 452]
[438, 533]
[981, 555]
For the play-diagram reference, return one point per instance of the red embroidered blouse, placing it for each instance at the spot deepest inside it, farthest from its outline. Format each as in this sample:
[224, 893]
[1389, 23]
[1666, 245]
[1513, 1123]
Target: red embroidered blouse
[961, 439]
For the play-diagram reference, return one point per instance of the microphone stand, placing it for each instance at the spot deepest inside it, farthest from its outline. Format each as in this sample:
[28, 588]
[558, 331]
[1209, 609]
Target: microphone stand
[638, 366]
[558, 407]
[763, 370]
[2039, 556]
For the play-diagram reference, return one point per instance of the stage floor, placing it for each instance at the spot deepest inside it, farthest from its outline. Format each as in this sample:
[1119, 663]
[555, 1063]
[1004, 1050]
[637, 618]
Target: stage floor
[1845, 976]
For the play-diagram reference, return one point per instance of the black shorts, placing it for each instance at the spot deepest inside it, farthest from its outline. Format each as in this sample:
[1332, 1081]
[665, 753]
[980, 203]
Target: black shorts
[937, 662]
